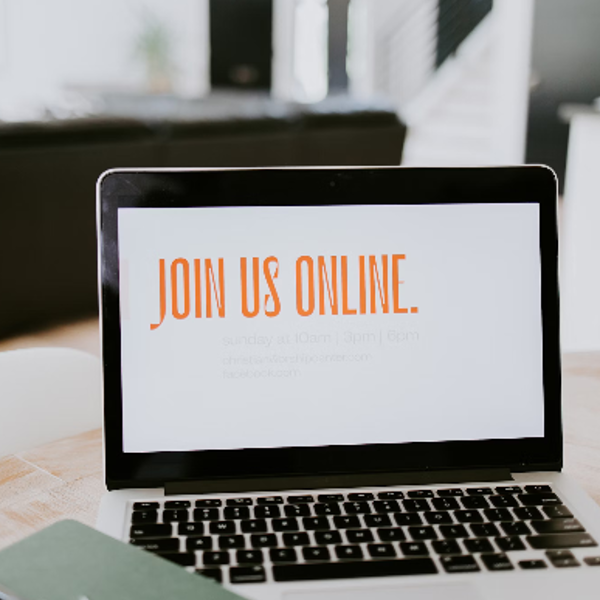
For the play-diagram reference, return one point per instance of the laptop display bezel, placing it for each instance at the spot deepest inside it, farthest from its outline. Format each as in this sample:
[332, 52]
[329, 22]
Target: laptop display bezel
[313, 187]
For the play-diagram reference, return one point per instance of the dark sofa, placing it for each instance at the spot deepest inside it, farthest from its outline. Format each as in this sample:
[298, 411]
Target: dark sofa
[48, 172]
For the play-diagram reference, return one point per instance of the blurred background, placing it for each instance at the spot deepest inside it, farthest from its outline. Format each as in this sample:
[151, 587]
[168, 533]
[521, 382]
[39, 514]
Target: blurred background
[87, 86]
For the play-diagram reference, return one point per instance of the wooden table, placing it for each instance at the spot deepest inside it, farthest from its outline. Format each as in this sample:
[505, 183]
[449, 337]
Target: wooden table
[64, 479]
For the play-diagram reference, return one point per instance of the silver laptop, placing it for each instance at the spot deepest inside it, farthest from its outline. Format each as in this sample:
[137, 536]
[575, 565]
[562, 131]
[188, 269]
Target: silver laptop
[340, 383]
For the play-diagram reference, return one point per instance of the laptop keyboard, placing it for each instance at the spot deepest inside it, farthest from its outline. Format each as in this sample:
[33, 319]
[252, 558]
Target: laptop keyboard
[254, 539]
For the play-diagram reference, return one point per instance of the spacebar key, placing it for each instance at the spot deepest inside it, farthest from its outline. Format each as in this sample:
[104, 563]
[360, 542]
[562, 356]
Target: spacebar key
[353, 569]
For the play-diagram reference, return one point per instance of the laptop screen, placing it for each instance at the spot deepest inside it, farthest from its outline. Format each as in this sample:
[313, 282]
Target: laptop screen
[308, 326]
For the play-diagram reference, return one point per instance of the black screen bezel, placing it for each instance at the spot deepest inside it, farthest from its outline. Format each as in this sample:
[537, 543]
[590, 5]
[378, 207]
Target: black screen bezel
[312, 187]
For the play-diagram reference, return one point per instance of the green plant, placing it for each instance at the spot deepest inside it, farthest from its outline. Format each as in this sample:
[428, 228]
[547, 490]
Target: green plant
[154, 46]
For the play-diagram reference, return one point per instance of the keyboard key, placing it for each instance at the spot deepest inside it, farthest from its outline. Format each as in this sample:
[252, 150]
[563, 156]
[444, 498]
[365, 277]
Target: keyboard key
[315, 553]
[475, 502]
[484, 530]
[354, 569]
[328, 537]
[390, 495]
[254, 574]
[353, 508]
[349, 552]
[414, 548]
[497, 562]
[518, 528]
[213, 573]
[391, 534]
[446, 547]
[231, 541]
[358, 536]
[300, 499]
[263, 540]
[249, 557]
[510, 543]
[176, 504]
[330, 498]
[296, 539]
[478, 545]
[267, 512]
[223, 527]
[150, 530]
[438, 518]
[561, 540]
[239, 502]
[381, 550]
[144, 516]
[557, 554]
[497, 514]
[452, 492]
[206, 514]
[453, 531]
[417, 505]
[330, 508]
[530, 513]
[504, 501]
[377, 520]
[408, 518]
[422, 533]
[297, 510]
[557, 512]
[468, 516]
[209, 503]
[270, 500]
[445, 503]
[360, 496]
[313, 523]
[480, 491]
[254, 526]
[184, 559]
[285, 524]
[279, 555]
[592, 561]
[562, 558]
[347, 522]
[177, 515]
[459, 564]
[509, 489]
[539, 499]
[420, 494]
[191, 529]
[532, 564]
[157, 545]
[145, 505]
[386, 506]
[537, 489]
[198, 543]
[236, 512]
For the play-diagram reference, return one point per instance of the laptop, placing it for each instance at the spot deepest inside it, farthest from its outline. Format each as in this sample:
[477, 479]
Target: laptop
[340, 383]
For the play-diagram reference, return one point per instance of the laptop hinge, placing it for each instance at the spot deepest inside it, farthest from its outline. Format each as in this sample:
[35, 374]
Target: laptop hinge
[354, 480]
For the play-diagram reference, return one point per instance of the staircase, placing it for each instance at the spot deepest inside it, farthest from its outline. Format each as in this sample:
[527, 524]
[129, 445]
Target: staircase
[456, 124]
[463, 107]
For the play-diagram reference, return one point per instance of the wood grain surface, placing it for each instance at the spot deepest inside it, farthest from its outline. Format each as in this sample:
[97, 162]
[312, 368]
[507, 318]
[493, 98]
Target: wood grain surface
[59, 480]
[64, 479]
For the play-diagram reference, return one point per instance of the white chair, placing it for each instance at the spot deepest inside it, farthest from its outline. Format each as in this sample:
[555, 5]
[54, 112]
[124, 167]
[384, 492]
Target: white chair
[47, 394]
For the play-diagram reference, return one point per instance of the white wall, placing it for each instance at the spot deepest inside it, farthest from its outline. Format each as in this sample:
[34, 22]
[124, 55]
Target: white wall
[579, 239]
[51, 45]
[511, 66]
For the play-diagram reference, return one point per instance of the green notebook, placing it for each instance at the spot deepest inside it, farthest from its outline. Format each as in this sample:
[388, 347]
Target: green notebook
[70, 561]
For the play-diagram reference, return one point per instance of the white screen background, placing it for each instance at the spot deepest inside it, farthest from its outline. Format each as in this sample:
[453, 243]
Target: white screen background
[467, 366]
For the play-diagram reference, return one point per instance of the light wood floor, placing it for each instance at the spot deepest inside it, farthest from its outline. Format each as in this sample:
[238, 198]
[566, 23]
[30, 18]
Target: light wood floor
[81, 335]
